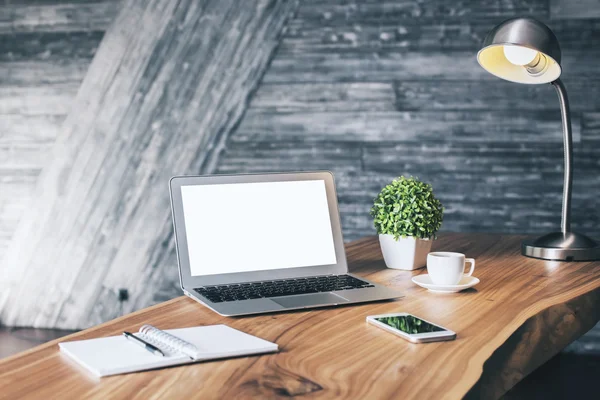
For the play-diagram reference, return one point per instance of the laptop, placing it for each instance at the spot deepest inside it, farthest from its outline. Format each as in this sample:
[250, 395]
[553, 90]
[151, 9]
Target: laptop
[249, 244]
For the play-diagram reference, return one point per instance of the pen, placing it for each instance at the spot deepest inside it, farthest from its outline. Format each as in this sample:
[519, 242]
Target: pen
[151, 348]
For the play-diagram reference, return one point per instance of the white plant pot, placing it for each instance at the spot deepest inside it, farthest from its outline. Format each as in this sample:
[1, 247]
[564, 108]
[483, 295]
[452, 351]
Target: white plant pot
[406, 253]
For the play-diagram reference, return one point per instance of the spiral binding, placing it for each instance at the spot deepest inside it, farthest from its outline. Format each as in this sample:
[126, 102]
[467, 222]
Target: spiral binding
[173, 342]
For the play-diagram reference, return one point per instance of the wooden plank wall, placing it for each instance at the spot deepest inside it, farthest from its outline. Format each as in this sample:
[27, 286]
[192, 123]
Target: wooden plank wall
[376, 89]
[168, 82]
[368, 89]
[45, 50]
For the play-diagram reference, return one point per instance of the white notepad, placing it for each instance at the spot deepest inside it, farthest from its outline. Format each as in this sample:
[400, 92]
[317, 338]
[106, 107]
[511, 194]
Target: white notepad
[117, 355]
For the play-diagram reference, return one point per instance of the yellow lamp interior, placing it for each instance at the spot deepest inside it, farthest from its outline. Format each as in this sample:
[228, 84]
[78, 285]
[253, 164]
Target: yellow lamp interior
[510, 62]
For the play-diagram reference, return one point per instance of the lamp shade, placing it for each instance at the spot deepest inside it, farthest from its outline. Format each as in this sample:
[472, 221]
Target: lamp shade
[521, 50]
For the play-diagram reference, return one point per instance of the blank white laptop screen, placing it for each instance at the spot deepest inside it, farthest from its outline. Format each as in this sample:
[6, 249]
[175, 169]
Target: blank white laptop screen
[244, 227]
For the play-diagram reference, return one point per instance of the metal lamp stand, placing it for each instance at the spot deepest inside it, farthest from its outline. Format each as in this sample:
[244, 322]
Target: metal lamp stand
[564, 245]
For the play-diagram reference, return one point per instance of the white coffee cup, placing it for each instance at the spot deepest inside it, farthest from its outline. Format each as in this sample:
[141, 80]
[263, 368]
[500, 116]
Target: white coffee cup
[447, 268]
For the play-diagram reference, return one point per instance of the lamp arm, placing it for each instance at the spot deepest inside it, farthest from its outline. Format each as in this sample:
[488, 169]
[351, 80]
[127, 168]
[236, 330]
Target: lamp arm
[565, 223]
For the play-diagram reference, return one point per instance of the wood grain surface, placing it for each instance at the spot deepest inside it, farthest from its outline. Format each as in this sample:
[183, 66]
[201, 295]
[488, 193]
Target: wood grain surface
[45, 50]
[57, 16]
[168, 83]
[522, 313]
[574, 9]
[491, 149]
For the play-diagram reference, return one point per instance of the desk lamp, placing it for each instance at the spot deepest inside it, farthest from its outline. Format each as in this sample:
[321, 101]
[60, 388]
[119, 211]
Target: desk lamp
[524, 50]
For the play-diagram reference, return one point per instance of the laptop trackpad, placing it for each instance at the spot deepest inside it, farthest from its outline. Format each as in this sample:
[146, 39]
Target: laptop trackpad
[307, 300]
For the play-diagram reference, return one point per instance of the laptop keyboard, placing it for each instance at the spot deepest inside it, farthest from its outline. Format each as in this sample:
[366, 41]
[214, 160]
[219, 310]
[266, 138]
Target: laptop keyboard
[283, 287]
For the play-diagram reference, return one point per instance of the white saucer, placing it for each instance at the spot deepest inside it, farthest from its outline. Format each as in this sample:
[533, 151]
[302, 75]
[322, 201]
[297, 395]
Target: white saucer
[465, 283]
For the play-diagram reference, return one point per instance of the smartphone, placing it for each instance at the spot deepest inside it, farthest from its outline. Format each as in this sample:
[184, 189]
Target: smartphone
[411, 328]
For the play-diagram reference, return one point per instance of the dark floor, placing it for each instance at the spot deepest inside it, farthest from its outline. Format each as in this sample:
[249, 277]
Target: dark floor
[15, 340]
[568, 375]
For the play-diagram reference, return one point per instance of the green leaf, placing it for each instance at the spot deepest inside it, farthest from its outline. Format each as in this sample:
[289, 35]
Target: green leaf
[407, 207]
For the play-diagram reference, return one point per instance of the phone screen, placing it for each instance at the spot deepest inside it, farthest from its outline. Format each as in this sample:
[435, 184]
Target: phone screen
[409, 324]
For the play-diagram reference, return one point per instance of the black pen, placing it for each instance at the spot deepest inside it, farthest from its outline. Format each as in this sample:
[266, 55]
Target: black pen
[151, 348]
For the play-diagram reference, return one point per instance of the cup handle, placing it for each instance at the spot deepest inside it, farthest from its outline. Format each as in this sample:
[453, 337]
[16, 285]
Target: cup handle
[472, 261]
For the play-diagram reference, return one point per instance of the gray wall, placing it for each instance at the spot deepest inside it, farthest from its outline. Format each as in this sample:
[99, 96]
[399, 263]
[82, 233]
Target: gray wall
[376, 89]
[45, 50]
[168, 81]
[368, 89]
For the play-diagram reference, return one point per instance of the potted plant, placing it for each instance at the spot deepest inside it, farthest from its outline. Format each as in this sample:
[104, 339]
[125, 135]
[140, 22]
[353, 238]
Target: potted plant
[406, 216]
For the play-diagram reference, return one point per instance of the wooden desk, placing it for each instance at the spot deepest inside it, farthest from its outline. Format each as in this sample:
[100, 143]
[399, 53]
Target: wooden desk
[522, 313]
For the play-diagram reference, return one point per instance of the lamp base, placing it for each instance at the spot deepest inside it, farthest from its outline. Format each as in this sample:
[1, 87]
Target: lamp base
[559, 246]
